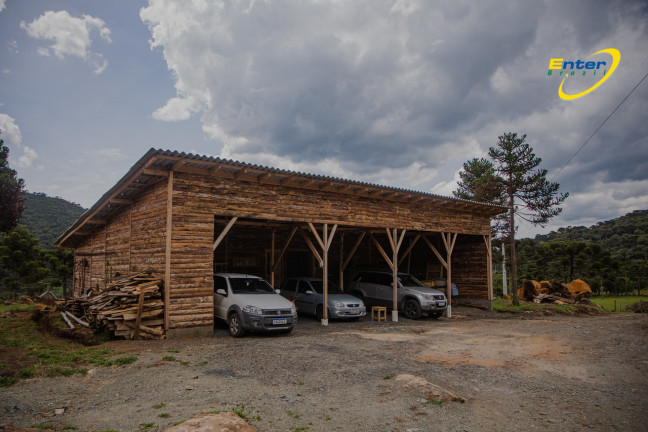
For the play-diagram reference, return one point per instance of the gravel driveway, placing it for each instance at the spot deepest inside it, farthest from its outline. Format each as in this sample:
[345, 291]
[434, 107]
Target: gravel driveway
[516, 372]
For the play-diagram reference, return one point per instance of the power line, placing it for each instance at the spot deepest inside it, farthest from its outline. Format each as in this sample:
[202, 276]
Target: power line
[600, 126]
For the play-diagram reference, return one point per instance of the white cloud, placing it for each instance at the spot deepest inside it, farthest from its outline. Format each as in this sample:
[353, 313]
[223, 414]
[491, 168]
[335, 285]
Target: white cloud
[2, 5]
[13, 139]
[403, 92]
[71, 36]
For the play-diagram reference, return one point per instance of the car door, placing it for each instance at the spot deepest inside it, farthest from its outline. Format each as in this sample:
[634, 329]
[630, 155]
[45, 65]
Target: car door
[366, 285]
[220, 300]
[384, 290]
[305, 302]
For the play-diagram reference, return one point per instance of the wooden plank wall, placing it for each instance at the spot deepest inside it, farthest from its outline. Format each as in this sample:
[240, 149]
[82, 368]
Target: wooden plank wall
[469, 271]
[220, 196]
[130, 242]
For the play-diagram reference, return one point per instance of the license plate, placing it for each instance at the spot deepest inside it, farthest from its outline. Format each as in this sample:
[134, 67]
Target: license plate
[441, 304]
[355, 311]
[277, 321]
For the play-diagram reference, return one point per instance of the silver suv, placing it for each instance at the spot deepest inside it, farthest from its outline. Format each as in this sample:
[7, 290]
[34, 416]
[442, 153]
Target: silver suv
[414, 298]
[249, 303]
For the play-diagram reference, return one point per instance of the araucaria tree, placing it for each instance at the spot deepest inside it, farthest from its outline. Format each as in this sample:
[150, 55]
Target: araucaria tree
[11, 193]
[512, 178]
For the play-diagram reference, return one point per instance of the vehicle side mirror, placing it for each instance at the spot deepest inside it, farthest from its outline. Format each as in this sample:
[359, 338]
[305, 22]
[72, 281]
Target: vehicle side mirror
[278, 291]
[309, 292]
[221, 291]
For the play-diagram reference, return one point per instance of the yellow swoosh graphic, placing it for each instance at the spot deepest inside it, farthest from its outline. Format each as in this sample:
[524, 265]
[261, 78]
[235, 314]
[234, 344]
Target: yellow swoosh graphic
[616, 58]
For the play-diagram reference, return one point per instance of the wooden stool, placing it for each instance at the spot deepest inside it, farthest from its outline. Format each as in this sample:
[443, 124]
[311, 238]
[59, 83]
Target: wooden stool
[379, 313]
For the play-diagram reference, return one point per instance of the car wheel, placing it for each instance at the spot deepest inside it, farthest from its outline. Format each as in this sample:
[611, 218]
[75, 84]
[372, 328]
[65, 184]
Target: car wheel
[436, 315]
[411, 309]
[235, 325]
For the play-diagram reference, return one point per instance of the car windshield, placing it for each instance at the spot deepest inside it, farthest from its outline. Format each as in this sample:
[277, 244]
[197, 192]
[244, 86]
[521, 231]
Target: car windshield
[409, 280]
[250, 286]
[318, 286]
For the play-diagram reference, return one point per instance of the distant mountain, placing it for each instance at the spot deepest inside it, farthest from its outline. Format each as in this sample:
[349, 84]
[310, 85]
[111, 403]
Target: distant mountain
[48, 217]
[626, 237]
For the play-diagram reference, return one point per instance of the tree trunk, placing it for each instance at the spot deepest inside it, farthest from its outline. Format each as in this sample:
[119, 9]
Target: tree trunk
[516, 300]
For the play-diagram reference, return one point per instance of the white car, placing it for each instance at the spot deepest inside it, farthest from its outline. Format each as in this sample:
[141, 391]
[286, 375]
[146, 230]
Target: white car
[249, 303]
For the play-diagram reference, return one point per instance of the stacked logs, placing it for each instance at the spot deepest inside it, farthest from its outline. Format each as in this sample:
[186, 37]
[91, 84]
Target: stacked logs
[132, 308]
[577, 291]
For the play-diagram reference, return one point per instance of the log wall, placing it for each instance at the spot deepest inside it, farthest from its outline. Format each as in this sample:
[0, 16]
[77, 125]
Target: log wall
[130, 242]
[134, 240]
[469, 267]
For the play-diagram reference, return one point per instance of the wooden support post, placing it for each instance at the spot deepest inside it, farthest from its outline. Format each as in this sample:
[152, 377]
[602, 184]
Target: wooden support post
[489, 266]
[325, 242]
[395, 243]
[138, 319]
[272, 259]
[167, 253]
[341, 263]
[449, 242]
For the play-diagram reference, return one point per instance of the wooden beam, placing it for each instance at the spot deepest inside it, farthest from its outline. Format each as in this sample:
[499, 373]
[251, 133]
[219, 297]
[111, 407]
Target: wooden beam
[285, 247]
[120, 201]
[409, 248]
[167, 252]
[382, 251]
[242, 172]
[311, 246]
[224, 232]
[317, 237]
[138, 319]
[436, 252]
[156, 172]
[353, 251]
[96, 221]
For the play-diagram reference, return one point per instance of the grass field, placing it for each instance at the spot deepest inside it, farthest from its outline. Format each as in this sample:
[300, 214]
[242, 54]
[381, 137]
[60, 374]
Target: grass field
[608, 302]
[27, 352]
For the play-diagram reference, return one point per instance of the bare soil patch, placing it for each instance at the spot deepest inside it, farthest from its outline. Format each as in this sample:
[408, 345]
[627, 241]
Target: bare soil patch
[517, 372]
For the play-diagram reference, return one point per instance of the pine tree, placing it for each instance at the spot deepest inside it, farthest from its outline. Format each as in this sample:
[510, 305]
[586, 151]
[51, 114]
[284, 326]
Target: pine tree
[512, 178]
[11, 193]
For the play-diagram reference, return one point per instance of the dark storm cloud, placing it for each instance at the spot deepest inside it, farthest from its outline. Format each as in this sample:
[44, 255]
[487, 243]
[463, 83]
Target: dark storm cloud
[371, 89]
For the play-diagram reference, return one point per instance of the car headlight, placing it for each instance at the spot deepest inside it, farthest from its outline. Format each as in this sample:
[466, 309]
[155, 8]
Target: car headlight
[428, 297]
[339, 305]
[293, 309]
[253, 310]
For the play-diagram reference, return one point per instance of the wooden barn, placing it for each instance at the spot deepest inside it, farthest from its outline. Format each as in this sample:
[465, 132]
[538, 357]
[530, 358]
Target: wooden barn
[185, 216]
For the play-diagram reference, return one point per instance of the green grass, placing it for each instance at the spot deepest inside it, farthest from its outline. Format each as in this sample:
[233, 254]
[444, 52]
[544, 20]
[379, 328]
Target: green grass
[607, 303]
[160, 405]
[16, 307]
[164, 415]
[52, 356]
[202, 363]
[168, 358]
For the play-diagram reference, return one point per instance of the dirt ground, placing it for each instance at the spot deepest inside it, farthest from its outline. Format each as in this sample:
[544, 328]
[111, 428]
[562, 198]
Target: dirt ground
[515, 372]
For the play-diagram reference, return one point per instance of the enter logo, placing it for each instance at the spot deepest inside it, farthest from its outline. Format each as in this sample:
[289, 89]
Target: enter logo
[568, 68]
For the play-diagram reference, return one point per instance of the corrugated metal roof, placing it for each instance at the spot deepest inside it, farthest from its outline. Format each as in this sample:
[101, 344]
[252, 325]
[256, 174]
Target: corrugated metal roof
[119, 191]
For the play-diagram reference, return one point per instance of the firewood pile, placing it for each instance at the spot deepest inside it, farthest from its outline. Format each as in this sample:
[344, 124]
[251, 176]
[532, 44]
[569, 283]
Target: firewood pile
[575, 292]
[132, 308]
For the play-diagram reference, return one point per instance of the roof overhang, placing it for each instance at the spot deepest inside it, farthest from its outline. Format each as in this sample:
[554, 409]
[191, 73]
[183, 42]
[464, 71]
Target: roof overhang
[156, 165]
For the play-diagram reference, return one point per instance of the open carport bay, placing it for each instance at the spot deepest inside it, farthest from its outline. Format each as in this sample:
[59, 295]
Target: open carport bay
[558, 373]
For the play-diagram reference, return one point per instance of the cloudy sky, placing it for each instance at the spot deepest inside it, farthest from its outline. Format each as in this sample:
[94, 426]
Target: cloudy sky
[395, 92]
